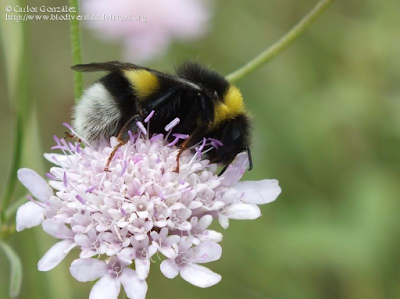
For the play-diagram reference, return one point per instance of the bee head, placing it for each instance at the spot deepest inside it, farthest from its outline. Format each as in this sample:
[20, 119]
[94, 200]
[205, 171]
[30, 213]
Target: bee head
[234, 135]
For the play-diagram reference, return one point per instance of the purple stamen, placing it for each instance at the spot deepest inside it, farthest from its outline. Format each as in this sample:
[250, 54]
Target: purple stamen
[123, 212]
[56, 139]
[146, 120]
[185, 189]
[172, 124]
[91, 189]
[156, 137]
[131, 138]
[200, 149]
[50, 176]
[215, 142]
[35, 202]
[78, 148]
[65, 180]
[141, 127]
[177, 137]
[71, 146]
[175, 141]
[123, 168]
[63, 142]
[55, 159]
[181, 136]
[68, 127]
[137, 159]
[78, 197]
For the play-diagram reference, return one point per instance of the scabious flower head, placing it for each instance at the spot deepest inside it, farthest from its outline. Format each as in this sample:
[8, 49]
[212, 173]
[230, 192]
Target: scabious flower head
[151, 25]
[138, 207]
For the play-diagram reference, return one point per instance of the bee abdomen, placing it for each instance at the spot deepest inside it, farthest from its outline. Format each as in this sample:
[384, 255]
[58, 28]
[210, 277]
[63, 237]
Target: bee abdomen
[97, 115]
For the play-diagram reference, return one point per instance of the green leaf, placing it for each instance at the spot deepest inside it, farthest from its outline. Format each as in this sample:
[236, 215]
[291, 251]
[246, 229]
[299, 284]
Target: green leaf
[16, 269]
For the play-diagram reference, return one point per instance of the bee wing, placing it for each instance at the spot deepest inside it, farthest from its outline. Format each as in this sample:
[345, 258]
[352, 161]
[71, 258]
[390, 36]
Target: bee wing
[109, 66]
[112, 66]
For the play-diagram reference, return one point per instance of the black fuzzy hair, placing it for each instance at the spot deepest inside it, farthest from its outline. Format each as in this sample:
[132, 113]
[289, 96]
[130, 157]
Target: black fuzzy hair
[198, 74]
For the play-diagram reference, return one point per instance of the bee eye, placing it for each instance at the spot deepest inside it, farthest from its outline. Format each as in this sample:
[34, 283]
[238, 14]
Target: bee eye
[216, 94]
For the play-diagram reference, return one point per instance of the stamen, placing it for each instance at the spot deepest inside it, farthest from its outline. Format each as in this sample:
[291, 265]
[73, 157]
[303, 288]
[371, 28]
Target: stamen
[78, 197]
[35, 201]
[50, 176]
[156, 137]
[183, 190]
[65, 179]
[131, 138]
[123, 212]
[91, 189]
[215, 142]
[141, 127]
[146, 120]
[76, 134]
[123, 168]
[78, 148]
[172, 124]
[177, 137]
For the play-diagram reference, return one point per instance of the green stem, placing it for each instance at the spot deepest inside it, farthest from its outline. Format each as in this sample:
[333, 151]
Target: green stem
[10, 212]
[282, 43]
[76, 49]
[13, 36]
[15, 164]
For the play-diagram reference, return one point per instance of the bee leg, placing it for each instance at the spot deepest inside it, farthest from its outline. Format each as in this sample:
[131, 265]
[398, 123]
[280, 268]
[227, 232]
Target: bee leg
[73, 137]
[195, 137]
[111, 157]
[123, 136]
[184, 146]
[250, 159]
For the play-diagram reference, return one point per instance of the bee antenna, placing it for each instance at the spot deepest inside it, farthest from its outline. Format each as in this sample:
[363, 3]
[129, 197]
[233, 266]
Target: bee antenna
[250, 159]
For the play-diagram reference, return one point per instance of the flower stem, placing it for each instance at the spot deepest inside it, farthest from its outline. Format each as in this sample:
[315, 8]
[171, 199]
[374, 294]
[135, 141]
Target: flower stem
[13, 36]
[282, 43]
[76, 49]
[15, 164]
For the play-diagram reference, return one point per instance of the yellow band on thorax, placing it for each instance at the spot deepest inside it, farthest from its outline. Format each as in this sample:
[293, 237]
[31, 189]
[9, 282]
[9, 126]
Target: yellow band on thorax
[144, 83]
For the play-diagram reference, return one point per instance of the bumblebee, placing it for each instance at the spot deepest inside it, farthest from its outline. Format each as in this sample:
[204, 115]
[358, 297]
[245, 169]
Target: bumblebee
[204, 101]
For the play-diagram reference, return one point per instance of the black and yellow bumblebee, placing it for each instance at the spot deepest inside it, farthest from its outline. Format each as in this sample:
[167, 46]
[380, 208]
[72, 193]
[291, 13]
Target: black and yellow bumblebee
[204, 101]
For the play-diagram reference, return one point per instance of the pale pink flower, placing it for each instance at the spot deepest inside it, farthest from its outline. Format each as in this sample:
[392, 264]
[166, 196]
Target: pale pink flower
[153, 24]
[138, 207]
[112, 274]
[185, 263]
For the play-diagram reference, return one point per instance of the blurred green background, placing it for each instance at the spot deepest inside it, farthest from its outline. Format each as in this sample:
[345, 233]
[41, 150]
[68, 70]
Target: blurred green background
[326, 124]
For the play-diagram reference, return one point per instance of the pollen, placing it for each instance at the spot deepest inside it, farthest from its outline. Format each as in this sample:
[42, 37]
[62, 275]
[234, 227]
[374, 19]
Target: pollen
[143, 82]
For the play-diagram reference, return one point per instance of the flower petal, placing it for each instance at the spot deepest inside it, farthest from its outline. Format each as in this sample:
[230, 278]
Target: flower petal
[142, 268]
[235, 170]
[242, 211]
[199, 276]
[29, 215]
[259, 192]
[88, 269]
[55, 255]
[57, 229]
[206, 252]
[57, 159]
[35, 184]
[106, 288]
[223, 221]
[169, 268]
[133, 286]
